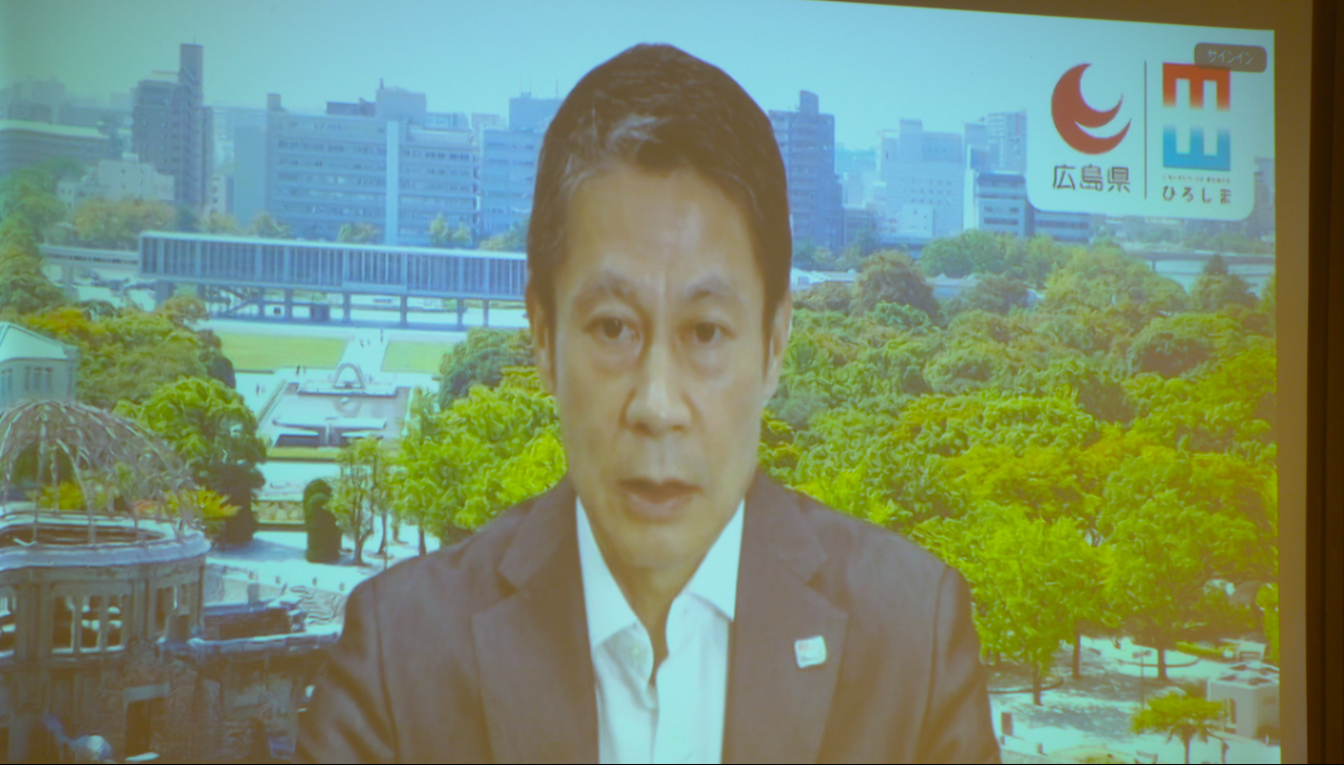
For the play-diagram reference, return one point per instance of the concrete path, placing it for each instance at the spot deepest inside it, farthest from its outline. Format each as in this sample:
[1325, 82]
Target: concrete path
[365, 350]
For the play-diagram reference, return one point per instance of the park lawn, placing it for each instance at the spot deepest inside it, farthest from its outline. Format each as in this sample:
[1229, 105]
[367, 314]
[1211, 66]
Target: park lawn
[413, 356]
[266, 353]
[302, 453]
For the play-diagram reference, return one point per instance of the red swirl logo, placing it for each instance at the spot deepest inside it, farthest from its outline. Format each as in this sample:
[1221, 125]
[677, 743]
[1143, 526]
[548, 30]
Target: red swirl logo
[1071, 114]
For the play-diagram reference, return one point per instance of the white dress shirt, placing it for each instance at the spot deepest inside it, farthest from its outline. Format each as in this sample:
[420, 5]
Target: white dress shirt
[677, 713]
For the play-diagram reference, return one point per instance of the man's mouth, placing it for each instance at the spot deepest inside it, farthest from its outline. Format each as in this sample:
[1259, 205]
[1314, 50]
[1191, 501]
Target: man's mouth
[657, 500]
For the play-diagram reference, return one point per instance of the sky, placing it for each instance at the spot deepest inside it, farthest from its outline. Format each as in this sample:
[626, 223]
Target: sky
[871, 66]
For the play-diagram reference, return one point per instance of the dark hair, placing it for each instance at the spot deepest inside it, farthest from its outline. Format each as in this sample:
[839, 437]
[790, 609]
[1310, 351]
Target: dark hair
[659, 108]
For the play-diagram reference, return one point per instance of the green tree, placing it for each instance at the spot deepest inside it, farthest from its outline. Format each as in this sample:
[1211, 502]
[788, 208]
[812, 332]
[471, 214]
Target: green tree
[28, 196]
[220, 223]
[969, 252]
[481, 359]
[462, 236]
[1216, 288]
[1108, 281]
[1033, 581]
[1172, 346]
[901, 316]
[24, 288]
[806, 253]
[359, 233]
[117, 223]
[362, 491]
[442, 233]
[1180, 716]
[462, 465]
[1163, 553]
[1042, 257]
[992, 293]
[265, 225]
[215, 433]
[324, 537]
[1097, 381]
[125, 357]
[513, 240]
[891, 277]
[825, 296]
[185, 219]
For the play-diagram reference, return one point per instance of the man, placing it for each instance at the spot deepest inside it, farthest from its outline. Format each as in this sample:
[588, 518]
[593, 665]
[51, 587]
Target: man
[665, 602]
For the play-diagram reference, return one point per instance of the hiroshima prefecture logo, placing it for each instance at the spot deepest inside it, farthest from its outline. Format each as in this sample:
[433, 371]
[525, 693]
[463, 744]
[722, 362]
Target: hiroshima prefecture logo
[1072, 114]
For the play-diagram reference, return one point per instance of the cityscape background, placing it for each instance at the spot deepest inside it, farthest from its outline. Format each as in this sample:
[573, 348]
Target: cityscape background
[275, 251]
[919, 164]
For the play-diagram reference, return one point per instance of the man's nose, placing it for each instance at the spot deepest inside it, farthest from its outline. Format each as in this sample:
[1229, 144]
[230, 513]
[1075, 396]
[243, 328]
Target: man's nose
[658, 404]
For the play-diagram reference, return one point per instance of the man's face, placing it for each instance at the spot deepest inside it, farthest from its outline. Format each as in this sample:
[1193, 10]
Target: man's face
[659, 362]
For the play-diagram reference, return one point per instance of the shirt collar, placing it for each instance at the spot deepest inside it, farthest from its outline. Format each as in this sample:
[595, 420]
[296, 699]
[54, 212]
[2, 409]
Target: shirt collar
[714, 580]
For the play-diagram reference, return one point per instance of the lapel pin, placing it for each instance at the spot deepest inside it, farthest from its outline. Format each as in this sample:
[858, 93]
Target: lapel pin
[810, 652]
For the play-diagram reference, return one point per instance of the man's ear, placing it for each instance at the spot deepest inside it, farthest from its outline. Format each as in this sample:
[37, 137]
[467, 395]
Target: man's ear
[543, 341]
[779, 342]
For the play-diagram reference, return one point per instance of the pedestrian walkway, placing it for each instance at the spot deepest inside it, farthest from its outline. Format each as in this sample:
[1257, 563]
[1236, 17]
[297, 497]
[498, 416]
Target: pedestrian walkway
[365, 350]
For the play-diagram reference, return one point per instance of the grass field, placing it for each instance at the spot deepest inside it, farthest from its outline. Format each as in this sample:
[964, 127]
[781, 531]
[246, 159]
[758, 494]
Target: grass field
[257, 353]
[302, 453]
[412, 356]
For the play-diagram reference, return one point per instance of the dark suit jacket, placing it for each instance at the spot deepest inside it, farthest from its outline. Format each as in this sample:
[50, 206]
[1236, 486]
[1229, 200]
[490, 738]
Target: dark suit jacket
[480, 652]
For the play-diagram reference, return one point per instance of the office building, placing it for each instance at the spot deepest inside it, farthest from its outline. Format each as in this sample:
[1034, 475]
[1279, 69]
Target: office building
[806, 139]
[977, 146]
[1001, 204]
[226, 121]
[509, 163]
[528, 113]
[171, 128]
[126, 178]
[1071, 227]
[1007, 141]
[508, 177]
[857, 170]
[1001, 207]
[388, 163]
[924, 176]
[24, 144]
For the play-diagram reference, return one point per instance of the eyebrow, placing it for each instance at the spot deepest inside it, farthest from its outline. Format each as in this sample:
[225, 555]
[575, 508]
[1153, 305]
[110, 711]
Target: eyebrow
[605, 284]
[608, 284]
[713, 287]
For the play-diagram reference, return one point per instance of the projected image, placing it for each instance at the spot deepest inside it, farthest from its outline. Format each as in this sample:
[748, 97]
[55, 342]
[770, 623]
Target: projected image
[264, 335]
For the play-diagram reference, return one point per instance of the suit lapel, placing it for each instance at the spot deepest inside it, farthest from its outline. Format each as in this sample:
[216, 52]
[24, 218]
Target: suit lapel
[776, 710]
[532, 647]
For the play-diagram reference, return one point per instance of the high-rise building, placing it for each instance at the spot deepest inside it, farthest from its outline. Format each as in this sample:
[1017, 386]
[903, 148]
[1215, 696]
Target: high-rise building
[977, 146]
[508, 178]
[857, 170]
[509, 163]
[1007, 138]
[806, 139]
[171, 128]
[925, 178]
[528, 113]
[388, 163]
[226, 122]
[23, 144]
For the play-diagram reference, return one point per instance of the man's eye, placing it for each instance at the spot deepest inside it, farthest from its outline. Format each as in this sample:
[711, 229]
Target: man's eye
[706, 333]
[610, 328]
